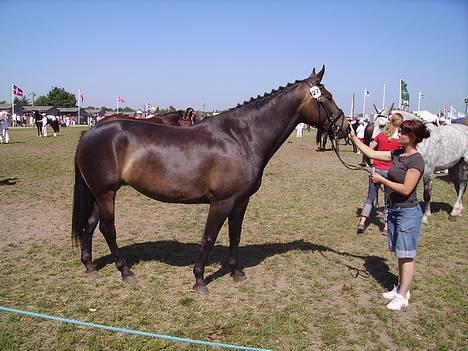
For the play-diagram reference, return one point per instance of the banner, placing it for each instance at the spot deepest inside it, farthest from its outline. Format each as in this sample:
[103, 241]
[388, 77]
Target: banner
[404, 94]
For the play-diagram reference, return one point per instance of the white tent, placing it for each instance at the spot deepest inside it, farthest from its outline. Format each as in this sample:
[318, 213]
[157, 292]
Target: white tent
[427, 116]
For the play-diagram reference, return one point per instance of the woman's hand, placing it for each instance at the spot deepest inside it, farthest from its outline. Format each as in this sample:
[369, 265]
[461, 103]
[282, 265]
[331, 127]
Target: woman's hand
[376, 178]
[352, 134]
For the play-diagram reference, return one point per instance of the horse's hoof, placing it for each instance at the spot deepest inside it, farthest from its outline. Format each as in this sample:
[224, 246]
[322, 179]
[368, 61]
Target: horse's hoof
[92, 274]
[129, 279]
[238, 276]
[200, 289]
[452, 218]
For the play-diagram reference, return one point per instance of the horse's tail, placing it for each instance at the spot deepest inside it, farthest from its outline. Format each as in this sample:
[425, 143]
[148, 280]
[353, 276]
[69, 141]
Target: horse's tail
[83, 201]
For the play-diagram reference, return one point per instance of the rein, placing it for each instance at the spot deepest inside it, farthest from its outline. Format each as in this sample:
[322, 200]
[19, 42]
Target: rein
[333, 128]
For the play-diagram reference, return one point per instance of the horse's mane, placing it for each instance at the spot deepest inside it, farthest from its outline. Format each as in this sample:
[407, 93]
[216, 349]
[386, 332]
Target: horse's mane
[262, 100]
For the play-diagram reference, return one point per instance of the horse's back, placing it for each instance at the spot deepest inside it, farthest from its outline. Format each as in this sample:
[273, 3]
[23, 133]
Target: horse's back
[445, 147]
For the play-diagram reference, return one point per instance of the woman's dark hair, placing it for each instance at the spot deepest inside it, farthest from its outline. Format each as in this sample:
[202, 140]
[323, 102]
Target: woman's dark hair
[415, 128]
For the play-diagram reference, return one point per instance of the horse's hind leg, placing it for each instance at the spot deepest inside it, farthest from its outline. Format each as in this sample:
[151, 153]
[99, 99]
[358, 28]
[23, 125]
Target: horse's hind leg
[235, 227]
[107, 227]
[86, 245]
[427, 197]
[459, 172]
[216, 217]
[460, 188]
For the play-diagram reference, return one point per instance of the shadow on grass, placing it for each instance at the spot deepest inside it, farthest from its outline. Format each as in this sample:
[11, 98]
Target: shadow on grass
[8, 181]
[438, 207]
[181, 254]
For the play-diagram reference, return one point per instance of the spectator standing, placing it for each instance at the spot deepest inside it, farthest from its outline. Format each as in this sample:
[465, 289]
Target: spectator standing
[384, 141]
[4, 136]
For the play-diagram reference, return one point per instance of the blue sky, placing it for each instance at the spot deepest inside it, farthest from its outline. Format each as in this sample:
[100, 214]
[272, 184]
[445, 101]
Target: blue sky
[220, 53]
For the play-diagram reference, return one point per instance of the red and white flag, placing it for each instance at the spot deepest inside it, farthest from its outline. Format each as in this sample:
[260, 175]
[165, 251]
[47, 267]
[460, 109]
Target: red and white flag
[81, 97]
[120, 99]
[17, 91]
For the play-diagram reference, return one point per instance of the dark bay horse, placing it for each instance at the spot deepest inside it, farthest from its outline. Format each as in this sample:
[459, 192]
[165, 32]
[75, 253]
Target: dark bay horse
[177, 118]
[222, 166]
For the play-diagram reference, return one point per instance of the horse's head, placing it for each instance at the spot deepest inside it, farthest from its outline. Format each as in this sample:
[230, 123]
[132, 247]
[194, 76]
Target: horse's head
[318, 107]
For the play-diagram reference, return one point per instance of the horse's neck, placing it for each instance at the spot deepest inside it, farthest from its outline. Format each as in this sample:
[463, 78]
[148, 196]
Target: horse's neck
[266, 128]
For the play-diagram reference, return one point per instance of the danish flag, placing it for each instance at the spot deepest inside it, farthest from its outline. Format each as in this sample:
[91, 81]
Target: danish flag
[81, 97]
[17, 91]
[120, 99]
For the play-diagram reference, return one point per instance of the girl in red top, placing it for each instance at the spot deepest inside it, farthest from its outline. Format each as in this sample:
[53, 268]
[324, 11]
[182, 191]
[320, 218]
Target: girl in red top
[384, 141]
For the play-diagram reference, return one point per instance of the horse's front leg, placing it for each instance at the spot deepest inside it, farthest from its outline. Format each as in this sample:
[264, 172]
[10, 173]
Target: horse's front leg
[427, 180]
[236, 218]
[216, 216]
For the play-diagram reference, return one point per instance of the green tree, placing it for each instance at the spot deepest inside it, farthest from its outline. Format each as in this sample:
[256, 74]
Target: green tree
[21, 102]
[42, 101]
[127, 109]
[3, 102]
[59, 97]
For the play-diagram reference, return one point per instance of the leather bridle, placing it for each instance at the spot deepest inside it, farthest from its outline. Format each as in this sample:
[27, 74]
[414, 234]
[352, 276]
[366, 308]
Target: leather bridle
[333, 127]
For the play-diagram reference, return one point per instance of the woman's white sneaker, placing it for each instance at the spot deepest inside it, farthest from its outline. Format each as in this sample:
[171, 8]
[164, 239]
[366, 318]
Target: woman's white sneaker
[397, 303]
[390, 295]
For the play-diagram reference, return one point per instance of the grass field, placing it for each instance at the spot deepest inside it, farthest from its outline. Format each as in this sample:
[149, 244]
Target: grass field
[312, 283]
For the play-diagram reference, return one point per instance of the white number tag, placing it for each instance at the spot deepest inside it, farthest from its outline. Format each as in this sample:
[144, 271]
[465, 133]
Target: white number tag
[315, 92]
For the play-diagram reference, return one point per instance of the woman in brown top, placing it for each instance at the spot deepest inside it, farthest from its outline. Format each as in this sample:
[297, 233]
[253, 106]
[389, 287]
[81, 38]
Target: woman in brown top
[405, 215]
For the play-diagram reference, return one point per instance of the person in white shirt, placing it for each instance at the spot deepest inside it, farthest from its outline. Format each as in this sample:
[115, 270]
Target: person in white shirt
[299, 130]
[360, 131]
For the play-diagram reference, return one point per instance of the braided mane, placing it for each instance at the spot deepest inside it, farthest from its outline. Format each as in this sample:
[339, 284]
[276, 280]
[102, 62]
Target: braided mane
[266, 96]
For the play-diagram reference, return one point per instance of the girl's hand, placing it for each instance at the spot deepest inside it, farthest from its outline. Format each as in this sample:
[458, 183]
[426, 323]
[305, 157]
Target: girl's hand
[352, 134]
[376, 178]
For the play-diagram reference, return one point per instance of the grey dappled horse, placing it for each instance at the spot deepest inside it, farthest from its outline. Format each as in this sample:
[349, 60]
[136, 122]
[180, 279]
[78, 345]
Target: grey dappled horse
[446, 148]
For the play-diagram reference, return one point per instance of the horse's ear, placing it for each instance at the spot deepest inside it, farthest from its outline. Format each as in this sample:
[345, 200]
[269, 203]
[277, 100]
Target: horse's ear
[313, 73]
[320, 74]
[376, 110]
[391, 108]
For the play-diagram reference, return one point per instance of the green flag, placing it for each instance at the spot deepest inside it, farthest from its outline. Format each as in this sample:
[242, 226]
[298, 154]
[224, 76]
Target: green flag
[404, 94]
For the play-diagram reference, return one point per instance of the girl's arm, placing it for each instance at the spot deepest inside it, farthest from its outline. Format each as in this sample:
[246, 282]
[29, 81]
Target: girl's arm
[405, 188]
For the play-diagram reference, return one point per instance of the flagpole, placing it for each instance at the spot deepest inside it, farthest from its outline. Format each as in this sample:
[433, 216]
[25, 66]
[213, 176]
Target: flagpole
[352, 107]
[117, 104]
[383, 102]
[364, 106]
[79, 106]
[399, 101]
[12, 102]
[419, 102]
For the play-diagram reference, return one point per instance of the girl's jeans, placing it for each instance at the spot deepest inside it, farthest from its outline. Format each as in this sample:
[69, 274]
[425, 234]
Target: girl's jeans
[372, 195]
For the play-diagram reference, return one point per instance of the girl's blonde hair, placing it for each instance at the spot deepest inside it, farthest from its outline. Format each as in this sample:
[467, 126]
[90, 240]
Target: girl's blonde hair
[395, 122]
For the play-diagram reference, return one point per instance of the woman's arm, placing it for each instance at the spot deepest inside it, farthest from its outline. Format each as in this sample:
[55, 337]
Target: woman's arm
[374, 154]
[411, 180]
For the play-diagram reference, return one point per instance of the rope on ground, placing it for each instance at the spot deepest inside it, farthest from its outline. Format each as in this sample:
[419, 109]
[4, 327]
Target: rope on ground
[129, 331]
